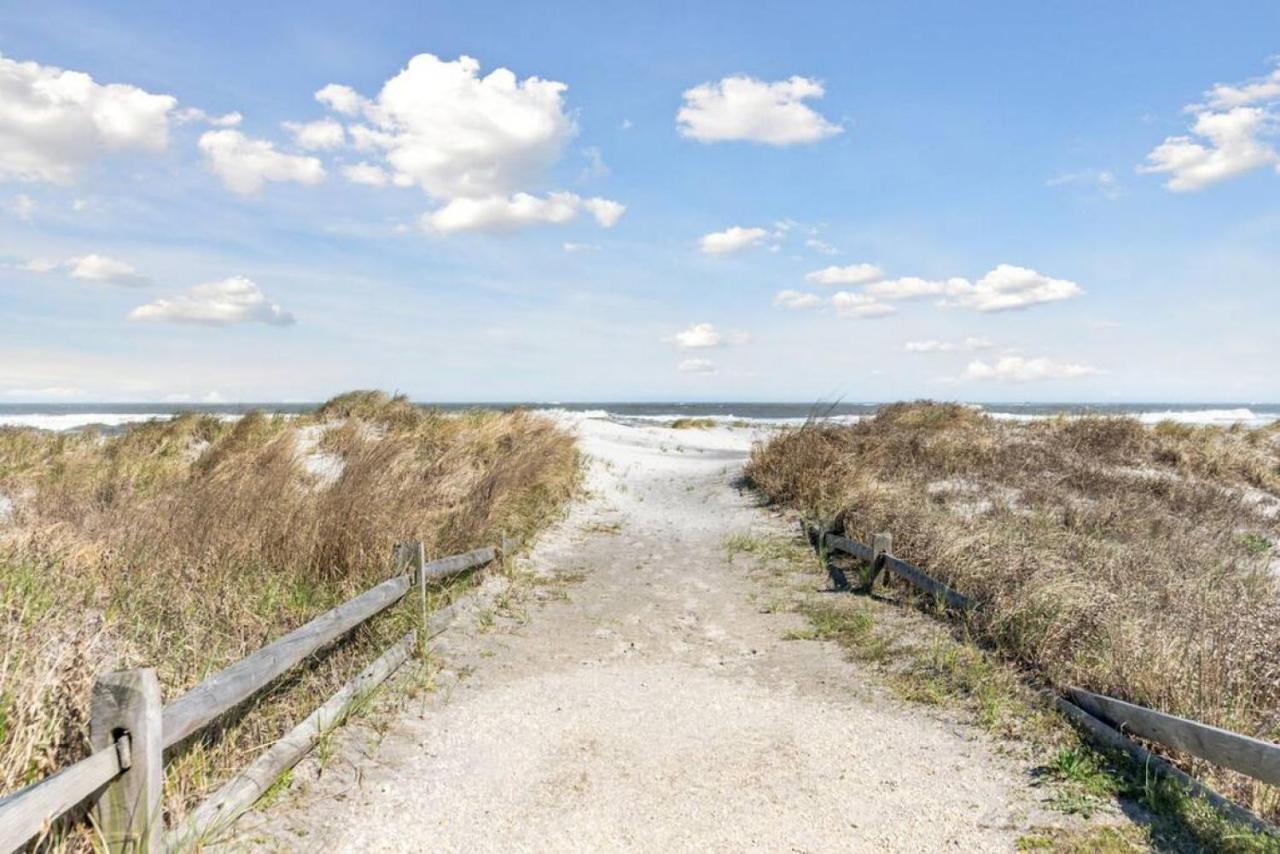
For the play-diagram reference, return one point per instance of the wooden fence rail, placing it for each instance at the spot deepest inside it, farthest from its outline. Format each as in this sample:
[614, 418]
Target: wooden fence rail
[130, 731]
[1096, 712]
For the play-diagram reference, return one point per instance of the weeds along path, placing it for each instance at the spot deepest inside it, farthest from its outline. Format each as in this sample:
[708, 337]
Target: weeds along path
[643, 697]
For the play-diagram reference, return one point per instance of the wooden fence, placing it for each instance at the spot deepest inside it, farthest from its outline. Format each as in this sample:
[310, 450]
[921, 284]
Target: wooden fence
[1105, 718]
[131, 729]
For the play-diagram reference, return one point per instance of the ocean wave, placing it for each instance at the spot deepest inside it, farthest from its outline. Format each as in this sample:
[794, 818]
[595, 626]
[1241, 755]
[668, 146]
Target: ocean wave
[74, 420]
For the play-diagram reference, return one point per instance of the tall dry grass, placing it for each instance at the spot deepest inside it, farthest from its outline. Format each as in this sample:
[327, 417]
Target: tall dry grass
[185, 544]
[1133, 561]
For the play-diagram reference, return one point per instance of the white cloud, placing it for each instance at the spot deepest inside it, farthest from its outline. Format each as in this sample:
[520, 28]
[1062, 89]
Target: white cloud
[92, 268]
[195, 114]
[1234, 147]
[475, 144]
[936, 346]
[499, 213]
[697, 366]
[322, 135]
[1008, 287]
[1228, 138]
[1257, 91]
[853, 274]
[596, 167]
[697, 336]
[733, 239]
[913, 287]
[342, 99]
[859, 305]
[743, 108]
[244, 165]
[53, 122]
[821, 246]
[580, 247]
[457, 134]
[233, 300]
[1103, 181]
[99, 268]
[22, 206]
[796, 299]
[1019, 369]
[368, 174]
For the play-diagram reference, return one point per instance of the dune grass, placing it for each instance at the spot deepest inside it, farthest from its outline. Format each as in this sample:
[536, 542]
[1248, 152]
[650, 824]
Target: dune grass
[185, 544]
[693, 424]
[1135, 561]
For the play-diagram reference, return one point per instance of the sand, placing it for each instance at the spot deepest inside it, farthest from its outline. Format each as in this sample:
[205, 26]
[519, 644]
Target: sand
[652, 704]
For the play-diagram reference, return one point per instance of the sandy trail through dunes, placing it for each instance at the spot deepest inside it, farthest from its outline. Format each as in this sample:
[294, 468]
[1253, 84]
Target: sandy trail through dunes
[655, 705]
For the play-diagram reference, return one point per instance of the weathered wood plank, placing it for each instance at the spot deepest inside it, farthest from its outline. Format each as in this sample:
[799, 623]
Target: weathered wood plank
[849, 547]
[228, 688]
[125, 711]
[26, 813]
[932, 586]
[231, 801]
[447, 566]
[1254, 757]
[1107, 736]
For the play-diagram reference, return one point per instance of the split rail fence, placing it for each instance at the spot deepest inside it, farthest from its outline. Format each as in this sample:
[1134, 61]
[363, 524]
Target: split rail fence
[1106, 719]
[131, 729]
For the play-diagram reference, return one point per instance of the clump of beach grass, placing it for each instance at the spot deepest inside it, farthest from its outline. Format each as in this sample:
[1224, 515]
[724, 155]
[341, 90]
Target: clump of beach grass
[1125, 559]
[185, 544]
[692, 424]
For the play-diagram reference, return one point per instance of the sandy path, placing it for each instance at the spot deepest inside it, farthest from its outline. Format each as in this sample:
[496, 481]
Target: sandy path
[657, 706]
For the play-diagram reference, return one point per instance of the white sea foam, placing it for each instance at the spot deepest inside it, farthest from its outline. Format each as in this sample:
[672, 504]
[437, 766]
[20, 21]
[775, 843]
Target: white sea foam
[70, 421]
[1207, 416]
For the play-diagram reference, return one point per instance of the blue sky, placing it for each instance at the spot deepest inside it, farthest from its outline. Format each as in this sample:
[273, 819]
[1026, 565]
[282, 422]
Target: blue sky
[1020, 203]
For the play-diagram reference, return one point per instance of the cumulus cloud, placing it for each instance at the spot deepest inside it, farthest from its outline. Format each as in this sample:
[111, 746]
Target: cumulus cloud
[499, 213]
[701, 335]
[245, 165]
[853, 274]
[53, 123]
[230, 301]
[697, 366]
[733, 239]
[744, 108]
[1229, 137]
[369, 174]
[342, 99]
[936, 346]
[1008, 288]
[1020, 369]
[913, 287]
[475, 144]
[322, 135]
[99, 268]
[92, 268]
[796, 299]
[859, 305]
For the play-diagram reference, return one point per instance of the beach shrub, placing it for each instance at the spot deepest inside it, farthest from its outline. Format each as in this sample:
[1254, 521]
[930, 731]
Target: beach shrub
[1121, 558]
[185, 544]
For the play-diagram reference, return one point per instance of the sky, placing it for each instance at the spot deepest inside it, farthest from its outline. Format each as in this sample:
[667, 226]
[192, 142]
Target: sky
[662, 201]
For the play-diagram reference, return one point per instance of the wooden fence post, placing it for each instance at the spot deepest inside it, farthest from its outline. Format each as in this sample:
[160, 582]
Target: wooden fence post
[125, 711]
[412, 557]
[881, 544]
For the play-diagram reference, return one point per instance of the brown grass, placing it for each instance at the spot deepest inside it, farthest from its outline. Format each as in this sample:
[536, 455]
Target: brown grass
[1137, 562]
[185, 544]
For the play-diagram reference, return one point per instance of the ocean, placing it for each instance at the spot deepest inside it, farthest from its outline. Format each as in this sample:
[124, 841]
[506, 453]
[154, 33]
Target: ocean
[70, 416]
